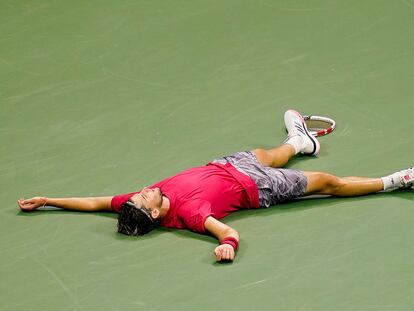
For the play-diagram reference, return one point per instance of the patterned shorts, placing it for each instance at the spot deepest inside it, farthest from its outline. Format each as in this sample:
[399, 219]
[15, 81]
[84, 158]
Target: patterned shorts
[276, 185]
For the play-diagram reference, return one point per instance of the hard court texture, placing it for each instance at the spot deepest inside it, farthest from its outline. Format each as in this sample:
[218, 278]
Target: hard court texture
[104, 97]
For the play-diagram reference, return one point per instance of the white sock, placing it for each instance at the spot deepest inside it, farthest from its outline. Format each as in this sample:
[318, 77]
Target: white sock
[296, 141]
[392, 182]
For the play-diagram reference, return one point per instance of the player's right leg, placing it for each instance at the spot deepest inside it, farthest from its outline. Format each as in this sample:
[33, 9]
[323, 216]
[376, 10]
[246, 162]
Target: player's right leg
[327, 184]
[323, 183]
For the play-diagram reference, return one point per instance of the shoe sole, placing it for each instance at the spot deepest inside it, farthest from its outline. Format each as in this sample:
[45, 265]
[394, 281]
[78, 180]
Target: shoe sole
[315, 142]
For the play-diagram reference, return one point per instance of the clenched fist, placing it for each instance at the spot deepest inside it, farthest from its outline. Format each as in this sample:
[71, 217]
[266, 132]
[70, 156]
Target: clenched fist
[224, 252]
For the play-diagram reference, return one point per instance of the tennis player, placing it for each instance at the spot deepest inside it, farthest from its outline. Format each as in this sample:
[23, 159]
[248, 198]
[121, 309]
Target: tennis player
[197, 198]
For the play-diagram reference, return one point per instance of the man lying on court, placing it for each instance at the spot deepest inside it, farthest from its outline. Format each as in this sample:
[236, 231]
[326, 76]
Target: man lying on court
[197, 198]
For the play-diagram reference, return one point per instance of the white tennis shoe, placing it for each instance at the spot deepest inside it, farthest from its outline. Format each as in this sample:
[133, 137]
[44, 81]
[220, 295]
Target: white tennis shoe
[298, 134]
[407, 178]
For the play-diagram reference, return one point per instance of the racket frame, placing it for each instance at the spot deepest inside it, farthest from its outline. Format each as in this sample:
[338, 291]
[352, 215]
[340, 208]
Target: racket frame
[321, 132]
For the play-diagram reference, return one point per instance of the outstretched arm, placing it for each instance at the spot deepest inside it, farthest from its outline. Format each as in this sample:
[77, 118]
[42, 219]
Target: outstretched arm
[93, 204]
[227, 236]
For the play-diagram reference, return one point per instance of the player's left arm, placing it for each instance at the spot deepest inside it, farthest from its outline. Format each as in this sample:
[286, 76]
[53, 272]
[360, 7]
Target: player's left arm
[227, 236]
[91, 204]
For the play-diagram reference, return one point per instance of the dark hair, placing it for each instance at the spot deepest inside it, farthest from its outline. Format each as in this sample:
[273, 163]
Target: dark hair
[134, 220]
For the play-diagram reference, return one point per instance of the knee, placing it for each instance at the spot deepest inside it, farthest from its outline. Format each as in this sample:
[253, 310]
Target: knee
[333, 184]
[330, 184]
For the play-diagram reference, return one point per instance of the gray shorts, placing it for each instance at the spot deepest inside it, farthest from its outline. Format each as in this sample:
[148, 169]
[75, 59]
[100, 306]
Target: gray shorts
[276, 185]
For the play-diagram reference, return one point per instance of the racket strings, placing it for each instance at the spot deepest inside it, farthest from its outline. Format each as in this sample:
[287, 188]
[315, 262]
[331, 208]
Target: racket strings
[317, 125]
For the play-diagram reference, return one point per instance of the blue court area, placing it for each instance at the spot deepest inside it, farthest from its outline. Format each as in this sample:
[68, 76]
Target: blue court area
[101, 98]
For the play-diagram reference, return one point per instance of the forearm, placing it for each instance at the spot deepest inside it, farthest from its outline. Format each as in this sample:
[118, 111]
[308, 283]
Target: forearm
[92, 204]
[74, 204]
[227, 236]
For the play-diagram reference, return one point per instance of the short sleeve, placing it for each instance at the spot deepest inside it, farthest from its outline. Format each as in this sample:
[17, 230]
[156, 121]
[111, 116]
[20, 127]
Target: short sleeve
[194, 214]
[118, 200]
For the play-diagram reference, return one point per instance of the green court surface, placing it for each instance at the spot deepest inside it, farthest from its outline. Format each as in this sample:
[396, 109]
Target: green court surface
[104, 97]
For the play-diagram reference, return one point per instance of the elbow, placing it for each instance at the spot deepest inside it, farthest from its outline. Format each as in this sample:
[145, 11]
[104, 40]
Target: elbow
[92, 205]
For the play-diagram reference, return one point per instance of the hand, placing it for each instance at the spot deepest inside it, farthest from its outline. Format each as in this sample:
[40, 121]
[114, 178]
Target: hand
[31, 204]
[224, 252]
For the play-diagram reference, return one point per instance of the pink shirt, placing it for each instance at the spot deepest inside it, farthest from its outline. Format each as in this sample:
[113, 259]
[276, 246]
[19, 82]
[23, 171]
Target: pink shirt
[212, 190]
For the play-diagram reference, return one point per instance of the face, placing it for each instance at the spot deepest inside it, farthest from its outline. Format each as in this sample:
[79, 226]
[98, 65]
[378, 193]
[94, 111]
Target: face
[151, 199]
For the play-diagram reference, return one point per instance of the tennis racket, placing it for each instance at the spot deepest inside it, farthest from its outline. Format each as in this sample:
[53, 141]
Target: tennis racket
[319, 126]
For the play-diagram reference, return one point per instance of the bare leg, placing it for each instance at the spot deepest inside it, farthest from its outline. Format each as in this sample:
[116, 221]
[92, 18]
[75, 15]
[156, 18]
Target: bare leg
[323, 183]
[275, 157]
